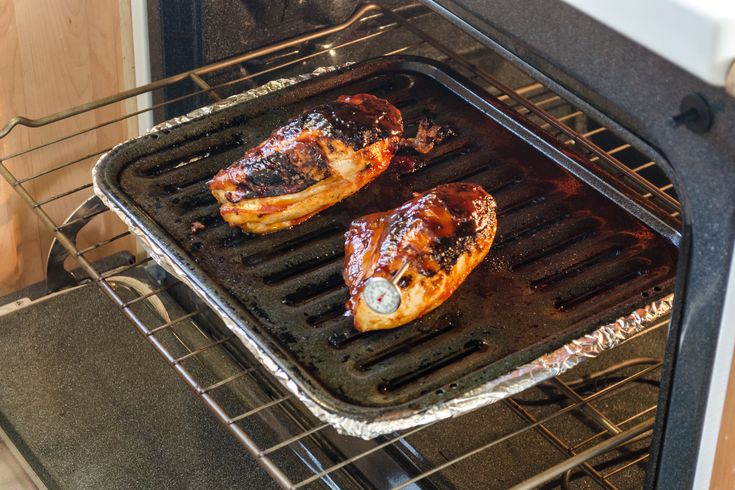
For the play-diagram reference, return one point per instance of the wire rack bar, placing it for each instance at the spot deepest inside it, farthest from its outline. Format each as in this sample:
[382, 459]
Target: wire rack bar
[206, 87]
[601, 394]
[642, 428]
[354, 459]
[643, 413]
[171, 323]
[236, 431]
[255, 410]
[295, 438]
[627, 465]
[589, 410]
[104, 242]
[227, 380]
[152, 293]
[86, 217]
[205, 348]
[530, 106]
[43, 121]
[64, 165]
[558, 443]
[63, 194]
[122, 270]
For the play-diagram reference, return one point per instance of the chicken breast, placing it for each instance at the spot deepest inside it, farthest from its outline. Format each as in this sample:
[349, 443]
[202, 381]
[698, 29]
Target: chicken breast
[311, 163]
[442, 235]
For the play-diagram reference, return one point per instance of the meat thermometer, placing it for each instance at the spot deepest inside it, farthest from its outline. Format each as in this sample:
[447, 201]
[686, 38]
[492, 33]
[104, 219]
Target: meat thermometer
[382, 295]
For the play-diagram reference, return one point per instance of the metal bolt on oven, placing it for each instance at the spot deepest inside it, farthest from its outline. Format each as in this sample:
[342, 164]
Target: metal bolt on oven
[590, 427]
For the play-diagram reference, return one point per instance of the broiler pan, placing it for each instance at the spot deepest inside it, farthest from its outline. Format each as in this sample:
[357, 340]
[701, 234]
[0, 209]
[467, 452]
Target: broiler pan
[571, 254]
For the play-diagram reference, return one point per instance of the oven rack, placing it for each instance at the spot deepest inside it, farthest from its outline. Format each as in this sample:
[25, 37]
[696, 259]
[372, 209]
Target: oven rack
[209, 365]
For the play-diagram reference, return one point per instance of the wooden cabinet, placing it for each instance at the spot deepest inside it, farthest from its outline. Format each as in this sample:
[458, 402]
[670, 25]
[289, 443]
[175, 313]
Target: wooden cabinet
[723, 472]
[57, 54]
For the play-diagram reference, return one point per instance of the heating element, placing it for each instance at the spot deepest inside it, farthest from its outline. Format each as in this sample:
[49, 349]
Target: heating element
[244, 397]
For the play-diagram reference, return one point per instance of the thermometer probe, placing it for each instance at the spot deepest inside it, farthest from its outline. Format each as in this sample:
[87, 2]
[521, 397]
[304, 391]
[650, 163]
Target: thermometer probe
[382, 295]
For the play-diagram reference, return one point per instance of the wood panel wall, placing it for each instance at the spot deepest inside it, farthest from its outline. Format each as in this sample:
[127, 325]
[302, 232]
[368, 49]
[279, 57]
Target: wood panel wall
[56, 54]
[723, 472]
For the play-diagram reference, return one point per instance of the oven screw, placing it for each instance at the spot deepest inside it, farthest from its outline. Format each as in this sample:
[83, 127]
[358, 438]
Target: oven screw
[695, 114]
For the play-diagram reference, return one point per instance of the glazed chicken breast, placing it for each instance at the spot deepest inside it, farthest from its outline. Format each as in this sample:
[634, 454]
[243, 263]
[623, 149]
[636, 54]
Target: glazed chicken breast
[442, 235]
[309, 164]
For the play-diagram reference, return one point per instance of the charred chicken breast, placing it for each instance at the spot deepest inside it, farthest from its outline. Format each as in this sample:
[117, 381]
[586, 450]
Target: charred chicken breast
[442, 235]
[312, 162]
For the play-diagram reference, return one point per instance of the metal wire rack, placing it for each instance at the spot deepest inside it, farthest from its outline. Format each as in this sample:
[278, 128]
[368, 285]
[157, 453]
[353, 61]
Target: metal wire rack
[271, 425]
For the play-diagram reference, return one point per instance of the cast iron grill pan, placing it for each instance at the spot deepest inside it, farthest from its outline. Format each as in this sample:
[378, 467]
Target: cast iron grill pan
[567, 258]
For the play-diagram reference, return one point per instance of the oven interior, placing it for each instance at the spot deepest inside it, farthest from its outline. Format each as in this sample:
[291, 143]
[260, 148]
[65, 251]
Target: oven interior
[588, 428]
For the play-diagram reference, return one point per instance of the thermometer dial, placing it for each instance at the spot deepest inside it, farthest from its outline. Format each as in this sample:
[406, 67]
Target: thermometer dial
[381, 295]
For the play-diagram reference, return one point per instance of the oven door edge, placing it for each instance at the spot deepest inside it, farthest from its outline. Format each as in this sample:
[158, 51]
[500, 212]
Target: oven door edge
[705, 183]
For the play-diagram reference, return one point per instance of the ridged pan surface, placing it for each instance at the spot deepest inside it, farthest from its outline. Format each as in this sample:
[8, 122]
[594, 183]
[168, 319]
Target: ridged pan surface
[567, 258]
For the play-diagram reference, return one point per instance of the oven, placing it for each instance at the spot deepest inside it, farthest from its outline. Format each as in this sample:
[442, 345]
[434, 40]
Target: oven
[644, 413]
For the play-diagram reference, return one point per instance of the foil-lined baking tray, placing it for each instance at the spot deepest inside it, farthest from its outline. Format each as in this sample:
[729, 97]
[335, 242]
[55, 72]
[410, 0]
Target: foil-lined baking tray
[575, 269]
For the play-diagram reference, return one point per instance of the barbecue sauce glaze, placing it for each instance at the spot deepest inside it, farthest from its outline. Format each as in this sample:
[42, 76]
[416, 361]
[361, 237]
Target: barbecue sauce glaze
[442, 234]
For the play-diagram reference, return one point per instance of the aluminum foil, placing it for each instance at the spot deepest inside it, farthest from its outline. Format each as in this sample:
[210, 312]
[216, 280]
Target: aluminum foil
[272, 86]
[547, 366]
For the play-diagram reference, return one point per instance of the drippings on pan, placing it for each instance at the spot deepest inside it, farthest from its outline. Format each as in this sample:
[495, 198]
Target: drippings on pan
[428, 135]
[196, 226]
[442, 235]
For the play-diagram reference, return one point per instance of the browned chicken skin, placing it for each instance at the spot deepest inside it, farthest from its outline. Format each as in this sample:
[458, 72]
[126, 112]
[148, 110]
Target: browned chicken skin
[312, 162]
[442, 235]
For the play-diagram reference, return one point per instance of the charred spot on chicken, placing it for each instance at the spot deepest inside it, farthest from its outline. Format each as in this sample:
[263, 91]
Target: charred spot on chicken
[309, 164]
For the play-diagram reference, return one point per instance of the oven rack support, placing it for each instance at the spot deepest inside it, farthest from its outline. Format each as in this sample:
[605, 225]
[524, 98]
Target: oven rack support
[531, 99]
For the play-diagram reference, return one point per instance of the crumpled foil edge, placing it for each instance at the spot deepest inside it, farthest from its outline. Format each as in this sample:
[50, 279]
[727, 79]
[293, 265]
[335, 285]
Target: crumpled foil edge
[523, 377]
[251, 94]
